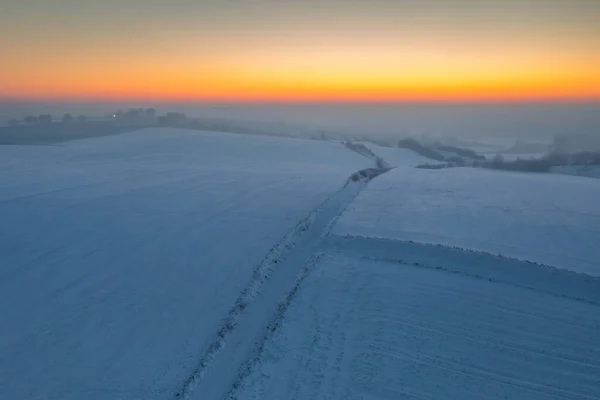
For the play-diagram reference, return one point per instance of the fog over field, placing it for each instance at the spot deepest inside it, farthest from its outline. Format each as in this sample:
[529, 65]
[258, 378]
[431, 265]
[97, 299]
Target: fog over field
[519, 121]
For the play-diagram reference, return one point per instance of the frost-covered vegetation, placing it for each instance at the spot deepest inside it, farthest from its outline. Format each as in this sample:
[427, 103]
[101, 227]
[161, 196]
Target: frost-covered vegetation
[544, 163]
[425, 151]
[455, 156]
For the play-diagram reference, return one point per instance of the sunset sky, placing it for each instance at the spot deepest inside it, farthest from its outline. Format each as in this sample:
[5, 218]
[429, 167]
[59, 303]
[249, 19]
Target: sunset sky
[293, 50]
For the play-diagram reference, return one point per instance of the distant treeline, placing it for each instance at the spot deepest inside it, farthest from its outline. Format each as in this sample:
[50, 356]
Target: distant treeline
[46, 129]
[543, 164]
[39, 134]
[433, 166]
[425, 151]
[460, 151]
[434, 151]
[44, 119]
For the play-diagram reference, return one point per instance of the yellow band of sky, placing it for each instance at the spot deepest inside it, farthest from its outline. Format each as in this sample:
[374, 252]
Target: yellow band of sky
[375, 50]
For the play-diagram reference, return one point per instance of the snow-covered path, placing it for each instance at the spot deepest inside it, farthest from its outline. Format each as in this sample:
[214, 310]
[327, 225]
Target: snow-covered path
[235, 346]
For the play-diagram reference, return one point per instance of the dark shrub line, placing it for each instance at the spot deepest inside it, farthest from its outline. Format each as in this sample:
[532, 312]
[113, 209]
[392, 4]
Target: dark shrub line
[418, 148]
[543, 164]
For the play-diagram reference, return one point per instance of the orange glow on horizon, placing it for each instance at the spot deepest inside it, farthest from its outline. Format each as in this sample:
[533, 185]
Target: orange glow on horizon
[312, 63]
[352, 89]
[549, 95]
[432, 95]
[341, 78]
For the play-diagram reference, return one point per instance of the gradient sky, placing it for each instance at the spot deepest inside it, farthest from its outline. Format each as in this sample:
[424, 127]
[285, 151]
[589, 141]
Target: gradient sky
[300, 50]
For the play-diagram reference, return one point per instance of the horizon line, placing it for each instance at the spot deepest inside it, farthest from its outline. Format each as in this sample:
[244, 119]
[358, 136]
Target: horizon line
[289, 100]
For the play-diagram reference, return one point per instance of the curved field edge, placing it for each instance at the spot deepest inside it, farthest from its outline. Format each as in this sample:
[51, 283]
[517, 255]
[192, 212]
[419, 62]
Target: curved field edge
[365, 323]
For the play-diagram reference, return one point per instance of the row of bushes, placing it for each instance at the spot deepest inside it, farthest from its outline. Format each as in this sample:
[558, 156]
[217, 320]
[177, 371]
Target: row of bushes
[43, 119]
[433, 166]
[460, 151]
[543, 164]
[579, 158]
[522, 165]
[418, 148]
[433, 151]
[360, 148]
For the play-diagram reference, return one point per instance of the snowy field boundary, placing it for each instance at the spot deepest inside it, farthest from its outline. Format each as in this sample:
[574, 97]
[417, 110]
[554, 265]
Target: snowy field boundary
[313, 355]
[477, 264]
[252, 313]
[368, 328]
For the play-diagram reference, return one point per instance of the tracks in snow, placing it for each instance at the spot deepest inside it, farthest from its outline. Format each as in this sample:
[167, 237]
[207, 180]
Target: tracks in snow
[236, 348]
[255, 314]
[227, 362]
[390, 330]
[508, 274]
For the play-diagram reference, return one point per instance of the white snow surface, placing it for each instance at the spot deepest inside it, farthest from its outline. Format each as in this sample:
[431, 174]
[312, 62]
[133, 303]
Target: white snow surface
[174, 264]
[364, 328]
[120, 256]
[546, 218]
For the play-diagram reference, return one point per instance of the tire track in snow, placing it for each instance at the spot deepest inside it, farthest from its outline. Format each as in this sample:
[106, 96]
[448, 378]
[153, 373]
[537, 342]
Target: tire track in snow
[272, 327]
[260, 274]
[221, 367]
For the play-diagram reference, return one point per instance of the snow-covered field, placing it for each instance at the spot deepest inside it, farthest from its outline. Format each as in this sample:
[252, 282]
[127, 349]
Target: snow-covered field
[173, 264]
[547, 218]
[364, 328]
[121, 255]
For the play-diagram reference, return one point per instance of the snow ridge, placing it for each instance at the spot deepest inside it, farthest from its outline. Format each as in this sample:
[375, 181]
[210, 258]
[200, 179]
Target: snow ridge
[391, 317]
[476, 264]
